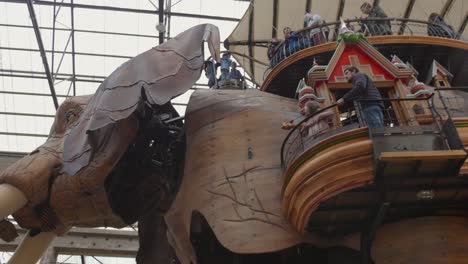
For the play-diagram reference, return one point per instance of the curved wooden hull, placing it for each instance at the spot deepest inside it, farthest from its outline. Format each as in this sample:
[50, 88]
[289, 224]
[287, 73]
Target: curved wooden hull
[334, 166]
[234, 180]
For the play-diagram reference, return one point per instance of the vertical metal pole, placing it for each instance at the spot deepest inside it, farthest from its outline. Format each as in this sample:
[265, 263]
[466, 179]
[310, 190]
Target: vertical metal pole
[72, 10]
[168, 16]
[54, 19]
[83, 261]
[161, 20]
[42, 50]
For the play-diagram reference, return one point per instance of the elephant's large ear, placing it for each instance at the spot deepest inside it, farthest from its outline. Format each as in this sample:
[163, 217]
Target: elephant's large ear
[161, 74]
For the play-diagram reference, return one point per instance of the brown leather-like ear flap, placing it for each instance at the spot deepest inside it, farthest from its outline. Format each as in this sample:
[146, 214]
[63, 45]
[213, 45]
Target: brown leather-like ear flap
[161, 74]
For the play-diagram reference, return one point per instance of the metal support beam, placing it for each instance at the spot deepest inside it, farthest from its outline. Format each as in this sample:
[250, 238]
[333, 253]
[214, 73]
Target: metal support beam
[338, 16]
[42, 50]
[23, 134]
[72, 14]
[53, 39]
[250, 37]
[409, 8]
[44, 77]
[67, 52]
[463, 25]
[308, 8]
[81, 31]
[27, 114]
[88, 242]
[446, 8]
[168, 17]
[67, 75]
[131, 10]
[274, 29]
[161, 21]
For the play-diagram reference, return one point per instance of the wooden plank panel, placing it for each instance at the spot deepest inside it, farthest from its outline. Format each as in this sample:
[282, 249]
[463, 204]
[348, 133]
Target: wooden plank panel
[405, 156]
[233, 175]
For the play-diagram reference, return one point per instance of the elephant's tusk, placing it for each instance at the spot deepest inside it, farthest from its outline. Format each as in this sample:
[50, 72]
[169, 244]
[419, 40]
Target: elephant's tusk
[11, 200]
[32, 248]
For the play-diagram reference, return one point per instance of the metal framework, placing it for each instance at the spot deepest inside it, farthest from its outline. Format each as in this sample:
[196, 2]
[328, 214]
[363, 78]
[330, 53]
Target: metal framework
[32, 14]
[52, 73]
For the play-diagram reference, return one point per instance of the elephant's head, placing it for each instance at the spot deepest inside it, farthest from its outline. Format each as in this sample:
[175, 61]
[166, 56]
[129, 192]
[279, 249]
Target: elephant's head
[50, 200]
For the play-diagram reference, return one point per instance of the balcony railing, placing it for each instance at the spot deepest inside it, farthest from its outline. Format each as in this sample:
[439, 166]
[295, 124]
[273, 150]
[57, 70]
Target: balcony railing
[403, 116]
[307, 37]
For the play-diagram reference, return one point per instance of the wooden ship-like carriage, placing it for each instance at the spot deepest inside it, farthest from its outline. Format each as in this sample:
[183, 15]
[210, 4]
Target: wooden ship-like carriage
[348, 194]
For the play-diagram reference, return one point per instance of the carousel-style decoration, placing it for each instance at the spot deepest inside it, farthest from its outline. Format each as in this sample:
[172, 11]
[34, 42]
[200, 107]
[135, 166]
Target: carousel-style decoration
[306, 94]
[439, 76]
[348, 35]
[325, 175]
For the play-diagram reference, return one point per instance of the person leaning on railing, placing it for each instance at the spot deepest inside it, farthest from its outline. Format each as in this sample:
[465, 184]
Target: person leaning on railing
[272, 49]
[318, 33]
[317, 124]
[210, 72]
[376, 27]
[225, 64]
[438, 28]
[294, 41]
[363, 88]
[235, 74]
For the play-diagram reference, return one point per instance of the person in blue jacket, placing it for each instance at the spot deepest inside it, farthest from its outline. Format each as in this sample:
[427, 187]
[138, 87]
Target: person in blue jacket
[225, 64]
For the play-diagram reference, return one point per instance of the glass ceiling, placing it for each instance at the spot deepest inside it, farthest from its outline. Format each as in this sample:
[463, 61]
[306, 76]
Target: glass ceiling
[104, 39]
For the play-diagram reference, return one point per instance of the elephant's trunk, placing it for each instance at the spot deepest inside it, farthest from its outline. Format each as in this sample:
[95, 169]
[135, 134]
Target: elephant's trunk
[11, 200]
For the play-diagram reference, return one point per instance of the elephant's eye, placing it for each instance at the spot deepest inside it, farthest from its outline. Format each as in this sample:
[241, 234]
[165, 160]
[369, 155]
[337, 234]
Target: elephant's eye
[70, 117]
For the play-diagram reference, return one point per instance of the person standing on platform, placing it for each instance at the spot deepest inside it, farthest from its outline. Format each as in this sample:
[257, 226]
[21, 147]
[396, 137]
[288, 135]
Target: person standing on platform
[376, 27]
[363, 88]
[210, 72]
[235, 73]
[225, 64]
